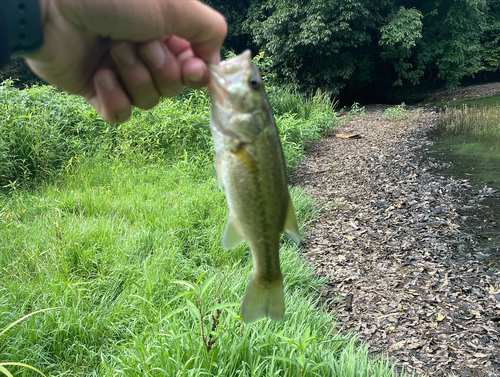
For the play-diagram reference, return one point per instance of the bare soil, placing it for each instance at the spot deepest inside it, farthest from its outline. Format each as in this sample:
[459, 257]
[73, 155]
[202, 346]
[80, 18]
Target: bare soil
[393, 243]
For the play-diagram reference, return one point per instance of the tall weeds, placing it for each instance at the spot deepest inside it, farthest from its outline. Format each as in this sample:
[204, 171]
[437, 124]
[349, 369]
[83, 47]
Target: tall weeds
[478, 120]
[43, 131]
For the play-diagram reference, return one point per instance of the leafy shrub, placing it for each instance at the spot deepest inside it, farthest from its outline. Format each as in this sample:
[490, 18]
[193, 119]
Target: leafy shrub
[41, 130]
[396, 112]
[175, 128]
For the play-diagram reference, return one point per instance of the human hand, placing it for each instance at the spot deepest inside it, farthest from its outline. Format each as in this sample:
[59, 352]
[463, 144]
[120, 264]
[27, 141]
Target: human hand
[119, 53]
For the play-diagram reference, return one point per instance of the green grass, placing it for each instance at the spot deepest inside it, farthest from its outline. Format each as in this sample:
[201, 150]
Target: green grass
[124, 235]
[477, 120]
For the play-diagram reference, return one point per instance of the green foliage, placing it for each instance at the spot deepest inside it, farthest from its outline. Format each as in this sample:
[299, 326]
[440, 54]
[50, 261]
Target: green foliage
[235, 13]
[452, 39]
[127, 240]
[356, 110]
[490, 38]
[42, 130]
[396, 112]
[342, 45]
[399, 37]
[173, 129]
[313, 43]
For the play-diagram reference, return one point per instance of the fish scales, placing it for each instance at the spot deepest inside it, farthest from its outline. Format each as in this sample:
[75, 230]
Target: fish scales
[251, 169]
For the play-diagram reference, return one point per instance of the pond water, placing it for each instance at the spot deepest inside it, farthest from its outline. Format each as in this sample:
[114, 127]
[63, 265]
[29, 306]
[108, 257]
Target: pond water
[475, 157]
[485, 101]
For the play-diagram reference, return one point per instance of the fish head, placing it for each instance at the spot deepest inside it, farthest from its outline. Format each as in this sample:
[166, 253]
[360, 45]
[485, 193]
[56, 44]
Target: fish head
[238, 97]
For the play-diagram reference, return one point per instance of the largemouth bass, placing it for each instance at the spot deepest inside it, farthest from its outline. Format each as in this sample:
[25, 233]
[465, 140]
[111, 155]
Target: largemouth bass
[251, 169]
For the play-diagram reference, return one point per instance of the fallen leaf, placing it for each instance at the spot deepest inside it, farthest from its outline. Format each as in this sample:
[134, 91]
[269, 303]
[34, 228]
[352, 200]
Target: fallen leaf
[349, 136]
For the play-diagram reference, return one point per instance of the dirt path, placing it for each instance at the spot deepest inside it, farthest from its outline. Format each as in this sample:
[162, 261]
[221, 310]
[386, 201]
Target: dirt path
[394, 246]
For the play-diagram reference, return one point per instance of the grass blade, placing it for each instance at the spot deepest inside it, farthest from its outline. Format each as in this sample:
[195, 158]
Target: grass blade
[5, 371]
[26, 316]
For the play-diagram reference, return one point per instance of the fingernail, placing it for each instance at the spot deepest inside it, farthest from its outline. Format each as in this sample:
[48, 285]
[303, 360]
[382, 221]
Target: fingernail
[106, 81]
[125, 53]
[154, 54]
[196, 76]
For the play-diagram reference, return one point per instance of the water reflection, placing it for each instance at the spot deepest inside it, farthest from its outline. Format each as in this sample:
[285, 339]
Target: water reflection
[485, 101]
[470, 139]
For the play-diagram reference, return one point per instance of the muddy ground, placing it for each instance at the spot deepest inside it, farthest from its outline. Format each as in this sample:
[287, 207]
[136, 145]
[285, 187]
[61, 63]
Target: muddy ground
[394, 245]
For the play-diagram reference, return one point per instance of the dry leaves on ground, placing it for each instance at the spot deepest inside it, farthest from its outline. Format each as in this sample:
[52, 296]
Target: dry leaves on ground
[398, 256]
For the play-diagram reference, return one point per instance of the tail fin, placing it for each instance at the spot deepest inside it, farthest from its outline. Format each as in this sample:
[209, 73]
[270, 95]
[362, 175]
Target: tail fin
[263, 301]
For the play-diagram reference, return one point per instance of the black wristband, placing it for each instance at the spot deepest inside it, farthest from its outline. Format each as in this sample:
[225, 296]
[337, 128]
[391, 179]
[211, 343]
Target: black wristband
[4, 36]
[24, 24]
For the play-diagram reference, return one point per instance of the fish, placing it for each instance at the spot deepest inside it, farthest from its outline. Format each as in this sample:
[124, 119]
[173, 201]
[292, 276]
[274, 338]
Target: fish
[251, 170]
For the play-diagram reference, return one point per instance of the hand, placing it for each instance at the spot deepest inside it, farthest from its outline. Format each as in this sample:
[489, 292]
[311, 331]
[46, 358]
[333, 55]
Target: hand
[119, 53]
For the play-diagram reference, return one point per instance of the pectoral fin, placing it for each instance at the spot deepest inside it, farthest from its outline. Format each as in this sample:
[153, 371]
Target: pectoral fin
[232, 237]
[247, 160]
[291, 229]
[219, 172]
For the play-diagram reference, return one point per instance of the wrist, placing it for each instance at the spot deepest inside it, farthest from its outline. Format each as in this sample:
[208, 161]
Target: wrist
[24, 25]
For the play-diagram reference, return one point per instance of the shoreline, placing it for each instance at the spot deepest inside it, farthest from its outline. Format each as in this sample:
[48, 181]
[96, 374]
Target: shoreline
[392, 243]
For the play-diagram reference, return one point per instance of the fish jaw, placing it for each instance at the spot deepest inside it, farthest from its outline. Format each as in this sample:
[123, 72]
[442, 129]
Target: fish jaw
[226, 74]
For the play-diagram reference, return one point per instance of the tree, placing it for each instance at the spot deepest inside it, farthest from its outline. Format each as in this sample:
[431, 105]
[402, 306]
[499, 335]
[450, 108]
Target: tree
[451, 43]
[316, 43]
[399, 38]
[349, 44]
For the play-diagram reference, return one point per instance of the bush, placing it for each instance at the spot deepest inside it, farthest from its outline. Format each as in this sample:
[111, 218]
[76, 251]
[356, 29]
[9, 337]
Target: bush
[41, 130]
[18, 71]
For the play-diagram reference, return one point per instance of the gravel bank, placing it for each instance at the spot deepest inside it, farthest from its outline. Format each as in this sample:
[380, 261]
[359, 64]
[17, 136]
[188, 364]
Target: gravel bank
[394, 246]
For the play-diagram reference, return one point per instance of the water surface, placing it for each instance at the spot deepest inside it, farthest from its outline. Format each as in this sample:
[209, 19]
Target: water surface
[476, 158]
[485, 101]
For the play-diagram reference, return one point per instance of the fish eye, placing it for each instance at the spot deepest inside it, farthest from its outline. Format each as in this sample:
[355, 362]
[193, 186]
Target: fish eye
[254, 83]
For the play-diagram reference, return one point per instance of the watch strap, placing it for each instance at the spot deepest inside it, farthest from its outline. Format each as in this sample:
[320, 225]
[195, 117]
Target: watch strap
[4, 36]
[24, 22]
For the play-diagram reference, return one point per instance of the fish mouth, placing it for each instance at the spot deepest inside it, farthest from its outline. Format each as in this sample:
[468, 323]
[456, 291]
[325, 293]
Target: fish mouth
[228, 72]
